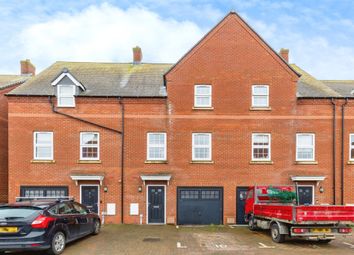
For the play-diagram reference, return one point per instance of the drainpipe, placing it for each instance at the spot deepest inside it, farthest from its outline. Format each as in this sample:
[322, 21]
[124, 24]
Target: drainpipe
[342, 154]
[122, 163]
[334, 150]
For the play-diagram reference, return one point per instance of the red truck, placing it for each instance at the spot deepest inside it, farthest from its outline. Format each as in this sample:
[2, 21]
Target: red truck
[276, 208]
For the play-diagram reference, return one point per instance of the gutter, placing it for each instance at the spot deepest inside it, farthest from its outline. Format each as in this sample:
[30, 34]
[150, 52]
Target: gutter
[334, 150]
[342, 153]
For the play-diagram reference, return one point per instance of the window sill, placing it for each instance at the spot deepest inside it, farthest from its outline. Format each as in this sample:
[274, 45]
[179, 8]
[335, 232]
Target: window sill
[261, 162]
[40, 161]
[260, 108]
[156, 162]
[89, 161]
[203, 108]
[306, 162]
[202, 162]
[350, 162]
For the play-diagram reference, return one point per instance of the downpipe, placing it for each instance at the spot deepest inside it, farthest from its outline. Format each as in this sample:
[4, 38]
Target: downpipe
[334, 150]
[342, 153]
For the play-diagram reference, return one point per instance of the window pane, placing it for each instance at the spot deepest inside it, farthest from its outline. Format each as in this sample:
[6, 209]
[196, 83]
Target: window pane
[43, 138]
[156, 152]
[201, 153]
[260, 139]
[89, 138]
[203, 90]
[203, 100]
[66, 101]
[352, 153]
[305, 153]
[156, 139]
[66, 90]
[201, 139]
[89, 152]
[304, 140]
[43, 152]
[260, 90]
[260, 100]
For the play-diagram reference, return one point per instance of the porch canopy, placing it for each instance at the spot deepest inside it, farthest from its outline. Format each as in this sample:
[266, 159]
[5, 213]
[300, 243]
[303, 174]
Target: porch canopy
[307, 178]
[87, 177]
[156, 177]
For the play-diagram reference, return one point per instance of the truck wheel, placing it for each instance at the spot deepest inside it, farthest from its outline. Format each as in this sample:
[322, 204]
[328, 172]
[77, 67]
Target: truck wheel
[325, 241]
[251, 224]
[275, 233]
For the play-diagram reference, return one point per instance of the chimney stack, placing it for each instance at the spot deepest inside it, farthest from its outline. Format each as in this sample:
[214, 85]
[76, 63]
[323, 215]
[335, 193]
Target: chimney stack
[137, 55]
[27, 68]
[284, 53]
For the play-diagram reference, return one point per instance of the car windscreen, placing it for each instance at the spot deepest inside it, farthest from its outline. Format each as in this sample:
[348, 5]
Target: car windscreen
[11, 212]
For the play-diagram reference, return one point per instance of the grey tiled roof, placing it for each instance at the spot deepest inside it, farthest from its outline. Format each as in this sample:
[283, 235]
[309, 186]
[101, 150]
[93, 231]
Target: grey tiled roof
[344, 88]
[102, 79]
[10, 80]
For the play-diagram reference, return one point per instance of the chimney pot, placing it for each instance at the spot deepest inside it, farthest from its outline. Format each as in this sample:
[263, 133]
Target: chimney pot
[27, 68]
[284, 53]
[137, 55]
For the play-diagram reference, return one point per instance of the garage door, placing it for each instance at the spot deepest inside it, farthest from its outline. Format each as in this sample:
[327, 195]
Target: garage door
[199, 206]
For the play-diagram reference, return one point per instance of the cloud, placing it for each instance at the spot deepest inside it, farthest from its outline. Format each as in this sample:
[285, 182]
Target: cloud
[107, 33]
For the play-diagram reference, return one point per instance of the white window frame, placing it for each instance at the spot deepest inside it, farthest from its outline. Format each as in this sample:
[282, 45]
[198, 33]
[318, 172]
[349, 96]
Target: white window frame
[59, 96]
[209, 158]
[148, 146]
[269, 147]
[35, 145]
[90, 145]
[255, 95]
[202, 95]
[313, 146]
[351, 146]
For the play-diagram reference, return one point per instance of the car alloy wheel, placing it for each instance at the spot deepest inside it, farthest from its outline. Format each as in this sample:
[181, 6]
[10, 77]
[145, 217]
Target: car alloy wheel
[96, 228]
[58, 243]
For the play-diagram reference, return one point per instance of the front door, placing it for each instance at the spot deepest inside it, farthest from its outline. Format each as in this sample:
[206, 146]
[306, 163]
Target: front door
[305, 195]
[156, 204]
[241, 193]
[89, 197]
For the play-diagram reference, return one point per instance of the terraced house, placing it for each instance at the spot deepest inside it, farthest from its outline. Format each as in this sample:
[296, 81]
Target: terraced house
[179, 143]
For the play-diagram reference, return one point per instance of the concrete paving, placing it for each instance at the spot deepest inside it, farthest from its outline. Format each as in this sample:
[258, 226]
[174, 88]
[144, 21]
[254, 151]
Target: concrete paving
[134, 239]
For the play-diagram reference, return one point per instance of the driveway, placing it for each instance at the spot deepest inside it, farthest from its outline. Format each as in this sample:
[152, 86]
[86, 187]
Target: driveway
[135, 239]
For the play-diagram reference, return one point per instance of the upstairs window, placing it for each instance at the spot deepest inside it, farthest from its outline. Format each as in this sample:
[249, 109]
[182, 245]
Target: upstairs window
[305, 147]
[66, 95]
[201, 146]
[260, 96]
[351, 147]
[261, 147]
[43, 145]
[156, 146]
[89, 146]
[202, 96]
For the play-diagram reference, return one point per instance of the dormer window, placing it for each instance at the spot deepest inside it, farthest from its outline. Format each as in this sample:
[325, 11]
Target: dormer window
[67, 87]
[66, 95]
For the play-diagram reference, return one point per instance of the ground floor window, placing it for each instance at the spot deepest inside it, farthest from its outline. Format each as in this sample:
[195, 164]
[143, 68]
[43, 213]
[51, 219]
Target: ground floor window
[41, 191]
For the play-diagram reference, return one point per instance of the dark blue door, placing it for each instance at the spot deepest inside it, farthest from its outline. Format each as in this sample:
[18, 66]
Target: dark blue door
[156, 204]
[199, 206]
[241, 193]
[89, 197]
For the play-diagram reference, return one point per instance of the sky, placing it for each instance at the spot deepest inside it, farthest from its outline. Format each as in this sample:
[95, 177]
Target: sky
[319, 33]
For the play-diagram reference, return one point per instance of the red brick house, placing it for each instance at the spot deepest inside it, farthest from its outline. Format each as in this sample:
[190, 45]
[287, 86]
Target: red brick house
[160, 143]
[7, 83]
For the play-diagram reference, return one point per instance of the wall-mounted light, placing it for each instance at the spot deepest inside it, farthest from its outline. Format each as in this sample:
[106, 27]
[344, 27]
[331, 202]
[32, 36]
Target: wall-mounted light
[105, 189]
[140, 189]
[321, 189]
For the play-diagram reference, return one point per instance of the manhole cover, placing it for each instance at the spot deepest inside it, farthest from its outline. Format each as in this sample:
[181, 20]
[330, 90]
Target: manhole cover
[151, 239]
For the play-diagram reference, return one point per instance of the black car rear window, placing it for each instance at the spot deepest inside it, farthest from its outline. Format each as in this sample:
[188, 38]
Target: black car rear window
[7, 212]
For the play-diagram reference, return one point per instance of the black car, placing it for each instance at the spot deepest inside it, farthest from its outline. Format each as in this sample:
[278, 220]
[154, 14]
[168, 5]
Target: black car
[44, 225]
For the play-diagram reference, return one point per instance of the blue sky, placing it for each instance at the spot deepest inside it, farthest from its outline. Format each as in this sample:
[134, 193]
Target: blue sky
[319, 34]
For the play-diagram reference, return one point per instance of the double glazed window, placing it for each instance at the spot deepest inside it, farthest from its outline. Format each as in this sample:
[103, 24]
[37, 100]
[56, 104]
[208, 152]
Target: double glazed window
[260, 96]
[39, 191]
[351, 147]
[261, 147]
[305, 147]
[202, 96]
[66, 95]
[89, 146]
[43, 145]
[201, 146]
[156, 146]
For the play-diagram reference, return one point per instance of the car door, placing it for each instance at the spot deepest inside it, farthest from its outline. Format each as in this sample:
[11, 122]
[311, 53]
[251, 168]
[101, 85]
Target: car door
[67, 216]
[83, 218]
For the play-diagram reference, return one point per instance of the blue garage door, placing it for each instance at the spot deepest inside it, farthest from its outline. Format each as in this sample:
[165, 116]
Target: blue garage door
[199, 206]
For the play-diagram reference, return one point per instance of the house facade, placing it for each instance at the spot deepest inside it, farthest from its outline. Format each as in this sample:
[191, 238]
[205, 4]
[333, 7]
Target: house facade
[7, 84]
[179, 143]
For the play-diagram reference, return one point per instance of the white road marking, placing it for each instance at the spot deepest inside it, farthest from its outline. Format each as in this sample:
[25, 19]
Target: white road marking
[349, 244]
[179, 246]
[263, 246]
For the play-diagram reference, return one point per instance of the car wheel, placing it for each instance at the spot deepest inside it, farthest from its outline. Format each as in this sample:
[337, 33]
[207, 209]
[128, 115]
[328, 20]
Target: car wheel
[58, 244]
[96, 227]
[251, 224]
[275, 233]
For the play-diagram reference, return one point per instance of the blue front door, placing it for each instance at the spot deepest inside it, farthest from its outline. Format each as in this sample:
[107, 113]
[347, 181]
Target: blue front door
[156, 204]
